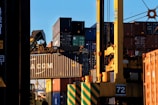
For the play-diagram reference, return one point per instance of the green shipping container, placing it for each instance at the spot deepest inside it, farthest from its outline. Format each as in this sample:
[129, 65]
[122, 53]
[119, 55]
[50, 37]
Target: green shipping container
[78, 40]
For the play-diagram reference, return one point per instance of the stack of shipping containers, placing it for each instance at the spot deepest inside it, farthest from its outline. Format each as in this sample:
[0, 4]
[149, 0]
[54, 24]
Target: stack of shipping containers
[140, 37]
[56, 90]
[78, 39]
[90, 39]
[152, 36]
[59, 69]
[62, 33]
[77, 31]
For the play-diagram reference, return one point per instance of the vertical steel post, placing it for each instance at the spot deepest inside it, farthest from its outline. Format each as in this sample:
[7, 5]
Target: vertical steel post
[17, 52]
[118, 41]
[99, 39]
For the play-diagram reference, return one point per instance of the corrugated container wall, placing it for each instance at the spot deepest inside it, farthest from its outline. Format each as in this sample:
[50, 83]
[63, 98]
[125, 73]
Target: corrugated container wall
[128, 43]
[77, 28]
[128, 29]
[150, 74]
[151, 42]
[53, 66]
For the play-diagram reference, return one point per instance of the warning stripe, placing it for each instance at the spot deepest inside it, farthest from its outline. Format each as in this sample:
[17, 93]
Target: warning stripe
[73, 94]
[89, 93]
[94, 93]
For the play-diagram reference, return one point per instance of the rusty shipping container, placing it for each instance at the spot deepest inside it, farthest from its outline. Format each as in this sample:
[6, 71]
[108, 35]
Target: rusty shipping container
[150, 74]
[128, 43]
[54, 65]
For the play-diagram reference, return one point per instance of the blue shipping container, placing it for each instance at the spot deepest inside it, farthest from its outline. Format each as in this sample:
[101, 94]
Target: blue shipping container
[59, 98]
[56, 98]
[90, 34]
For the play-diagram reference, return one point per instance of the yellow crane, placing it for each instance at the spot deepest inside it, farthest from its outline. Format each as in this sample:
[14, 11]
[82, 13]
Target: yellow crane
[119, 88]
[103, 91]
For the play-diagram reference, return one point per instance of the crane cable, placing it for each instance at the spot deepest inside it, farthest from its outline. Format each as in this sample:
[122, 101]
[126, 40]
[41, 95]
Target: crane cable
[145, 4]
[144, 12]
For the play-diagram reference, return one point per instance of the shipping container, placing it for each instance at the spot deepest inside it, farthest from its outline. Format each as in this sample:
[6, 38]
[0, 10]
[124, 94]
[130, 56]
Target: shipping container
[62, 26]
[152, 28]
[54, 66]
[59, 98]
[140, 42]
[90, 45]
[90, 34]
[150, 77]
[70, 48]
[62, 40]
[77, 28]
[128, 29]
[60, 85]
[50, 44]
[49, 91]
[78, 40]
[139, 28]
[152, 42]
[128, 43]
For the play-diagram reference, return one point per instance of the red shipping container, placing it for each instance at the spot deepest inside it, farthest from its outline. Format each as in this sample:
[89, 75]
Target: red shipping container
[128, 42]
[128, 29]
[150, 74]
[152, 41]
[139, 28]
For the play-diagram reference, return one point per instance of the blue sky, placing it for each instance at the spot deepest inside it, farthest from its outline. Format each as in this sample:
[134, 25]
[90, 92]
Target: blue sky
[44, 13]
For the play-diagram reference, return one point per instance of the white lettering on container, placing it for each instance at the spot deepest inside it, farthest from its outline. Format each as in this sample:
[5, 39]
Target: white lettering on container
[42, 66]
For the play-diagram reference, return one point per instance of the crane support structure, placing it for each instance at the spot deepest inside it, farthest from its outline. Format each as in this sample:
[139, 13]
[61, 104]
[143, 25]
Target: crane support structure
[99, 39]
[118, 41]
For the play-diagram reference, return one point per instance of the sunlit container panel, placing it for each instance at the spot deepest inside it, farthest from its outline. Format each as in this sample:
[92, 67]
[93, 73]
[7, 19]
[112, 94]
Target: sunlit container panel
[150, 74]
[54, 66]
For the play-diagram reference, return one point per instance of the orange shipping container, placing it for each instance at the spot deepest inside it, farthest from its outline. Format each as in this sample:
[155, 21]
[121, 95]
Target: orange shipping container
[150, 74]
[60, 85]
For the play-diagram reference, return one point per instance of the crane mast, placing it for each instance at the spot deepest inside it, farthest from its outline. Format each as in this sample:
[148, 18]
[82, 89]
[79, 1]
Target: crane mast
[100, 38]
[118, 40]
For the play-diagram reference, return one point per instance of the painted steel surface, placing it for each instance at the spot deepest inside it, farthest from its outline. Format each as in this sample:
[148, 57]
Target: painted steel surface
[150, 74]
[56, 98]
[90, 93]
[53, 66]
[74, 94]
